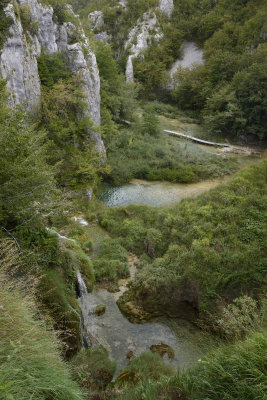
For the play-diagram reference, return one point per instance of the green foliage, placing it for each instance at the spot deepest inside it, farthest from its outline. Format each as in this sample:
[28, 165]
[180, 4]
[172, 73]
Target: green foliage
[111, 263]
[5, 23]
[52, 68]
[118, 98]
[212, 245]
[231, 372]
[27, 183]
[236, 372]
[30, 365]
[239, 318]
[150, 67]
[92, 368]
[142, 371]
[27, 21]
[230, 90]
[70, 148]
[239, 108]
[61, 12]
[150, 122]
[140, 152]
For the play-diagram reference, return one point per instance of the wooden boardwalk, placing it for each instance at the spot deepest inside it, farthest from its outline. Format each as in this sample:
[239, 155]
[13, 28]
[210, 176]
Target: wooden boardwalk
[196, 139]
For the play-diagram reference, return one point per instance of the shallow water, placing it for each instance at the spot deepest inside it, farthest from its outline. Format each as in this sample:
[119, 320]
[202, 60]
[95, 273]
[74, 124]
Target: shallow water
[119, 336]
[153, 193]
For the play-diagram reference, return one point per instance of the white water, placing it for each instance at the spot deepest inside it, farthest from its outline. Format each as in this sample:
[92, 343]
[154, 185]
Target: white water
[60, 236]
[81, 221]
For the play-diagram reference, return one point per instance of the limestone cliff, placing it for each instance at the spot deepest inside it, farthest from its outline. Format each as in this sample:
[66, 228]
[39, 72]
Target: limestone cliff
[139, 39]
[18, 58]
[140, 36]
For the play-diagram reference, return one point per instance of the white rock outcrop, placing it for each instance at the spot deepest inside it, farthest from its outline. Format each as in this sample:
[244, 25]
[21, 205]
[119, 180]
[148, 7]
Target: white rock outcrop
[96, 19]
[140, 38]
[166, 6]
[192, 56]
[18, 63]
[18, 60]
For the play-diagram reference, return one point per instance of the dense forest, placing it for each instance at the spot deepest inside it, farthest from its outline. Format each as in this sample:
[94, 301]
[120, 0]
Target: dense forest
[201, 261]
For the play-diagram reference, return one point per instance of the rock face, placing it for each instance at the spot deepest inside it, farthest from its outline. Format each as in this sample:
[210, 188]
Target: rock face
[192, 56]
[96, 19]
[166, 6]
[18, 60]
[139, 39]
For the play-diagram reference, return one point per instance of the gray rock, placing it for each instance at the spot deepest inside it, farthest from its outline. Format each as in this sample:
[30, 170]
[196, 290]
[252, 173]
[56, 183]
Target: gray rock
[18, 61]
[166, 6]
[96, 19]
[140, 38]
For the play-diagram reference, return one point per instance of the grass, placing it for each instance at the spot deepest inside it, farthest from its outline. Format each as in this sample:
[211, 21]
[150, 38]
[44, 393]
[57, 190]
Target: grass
[30, 364]
[232, 372]
[142, 369]
[133, 154]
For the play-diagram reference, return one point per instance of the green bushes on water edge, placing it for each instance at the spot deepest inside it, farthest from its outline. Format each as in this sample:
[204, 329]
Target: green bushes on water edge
[232, 372]
[212, 245]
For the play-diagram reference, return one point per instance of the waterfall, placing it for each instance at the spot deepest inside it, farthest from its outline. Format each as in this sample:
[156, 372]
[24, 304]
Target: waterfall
[88, 303]
[60, 236]
[84, 342]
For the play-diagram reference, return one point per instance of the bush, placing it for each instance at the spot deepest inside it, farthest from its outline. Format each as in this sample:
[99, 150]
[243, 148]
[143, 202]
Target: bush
[144, 368]
[239, 318]
[92, 368]
[52, 68]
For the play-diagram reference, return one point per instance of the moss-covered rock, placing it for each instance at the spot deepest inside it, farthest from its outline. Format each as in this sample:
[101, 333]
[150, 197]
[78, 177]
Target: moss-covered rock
[100, 309]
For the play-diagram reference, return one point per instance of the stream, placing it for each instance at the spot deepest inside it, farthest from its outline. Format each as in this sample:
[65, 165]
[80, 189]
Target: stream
[112, 329]
[119, 336]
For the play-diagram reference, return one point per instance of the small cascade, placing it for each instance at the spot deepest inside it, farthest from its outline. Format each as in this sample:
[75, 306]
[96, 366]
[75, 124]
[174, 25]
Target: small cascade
[88, 304]
[119, 336]
[60, 236]
[81, 328]
[81, 221]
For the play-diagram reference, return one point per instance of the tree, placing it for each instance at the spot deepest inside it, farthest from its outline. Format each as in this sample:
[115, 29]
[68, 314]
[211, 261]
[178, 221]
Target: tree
[26, 181]
[150, 123]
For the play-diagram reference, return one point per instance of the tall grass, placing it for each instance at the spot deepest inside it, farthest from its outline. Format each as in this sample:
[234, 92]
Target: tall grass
[30, 364]
[232, 372]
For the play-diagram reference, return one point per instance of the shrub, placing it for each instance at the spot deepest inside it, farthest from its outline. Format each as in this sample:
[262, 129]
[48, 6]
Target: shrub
[145, 368]
[239, 318]
[92, 368]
